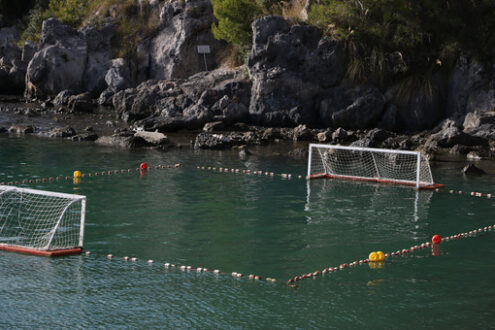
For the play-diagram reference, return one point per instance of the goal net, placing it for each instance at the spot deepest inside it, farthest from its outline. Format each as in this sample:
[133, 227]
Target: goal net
[370, 164]
[41, 222]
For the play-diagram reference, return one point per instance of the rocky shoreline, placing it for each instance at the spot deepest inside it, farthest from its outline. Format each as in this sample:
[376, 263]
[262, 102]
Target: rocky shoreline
[292, 88]
[105, 126]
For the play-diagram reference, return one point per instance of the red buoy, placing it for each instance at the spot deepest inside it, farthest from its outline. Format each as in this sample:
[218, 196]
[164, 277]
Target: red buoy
[143, 166]
[436, 239]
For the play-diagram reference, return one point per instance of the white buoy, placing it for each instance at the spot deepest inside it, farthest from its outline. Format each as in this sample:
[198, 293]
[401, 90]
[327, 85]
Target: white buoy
[216, 271]
[150, 261]
[133, 259]
[109, 256]
[125, 258]
[166, 265]
[87, 253]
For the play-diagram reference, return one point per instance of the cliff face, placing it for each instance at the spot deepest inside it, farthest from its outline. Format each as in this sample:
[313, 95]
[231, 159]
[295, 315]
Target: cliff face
[295, 77]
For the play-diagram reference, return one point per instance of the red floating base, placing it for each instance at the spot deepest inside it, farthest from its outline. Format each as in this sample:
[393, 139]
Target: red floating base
[391, 182]
[52, 253]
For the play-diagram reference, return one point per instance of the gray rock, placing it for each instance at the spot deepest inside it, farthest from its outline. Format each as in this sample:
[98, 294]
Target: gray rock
[472, 170]
[60, 62]
[28, 51]
[12, 68]
[212, 141]
[99, 43]
[81, 103]
[173, 51]
[477, 119]
[154, 138]
[340, 135]
[302, 133]
[452, 136]
[84, 137]
[106, 97]
[364, 143]
[354, 108]
[290, 68]
[214, 126]
[471, 87]
[325, 136]
[118, 75]
[20, 129]
[62, 98]
[122, 141]
[61, 132]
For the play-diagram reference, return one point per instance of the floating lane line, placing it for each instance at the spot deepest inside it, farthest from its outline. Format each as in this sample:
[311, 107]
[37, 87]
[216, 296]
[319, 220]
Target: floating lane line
[399, 253]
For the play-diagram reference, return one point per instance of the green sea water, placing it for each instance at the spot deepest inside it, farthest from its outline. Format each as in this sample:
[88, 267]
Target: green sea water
[252, 225]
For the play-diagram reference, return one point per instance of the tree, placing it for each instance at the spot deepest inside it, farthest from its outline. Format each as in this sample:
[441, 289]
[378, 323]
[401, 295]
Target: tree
[234, 20]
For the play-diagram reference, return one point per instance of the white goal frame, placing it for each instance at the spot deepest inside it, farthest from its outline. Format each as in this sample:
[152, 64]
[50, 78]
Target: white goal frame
[422, 178]
[52, 224]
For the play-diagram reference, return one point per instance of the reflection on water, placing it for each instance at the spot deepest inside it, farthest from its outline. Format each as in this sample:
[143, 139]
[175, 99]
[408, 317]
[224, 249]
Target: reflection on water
[337, 198]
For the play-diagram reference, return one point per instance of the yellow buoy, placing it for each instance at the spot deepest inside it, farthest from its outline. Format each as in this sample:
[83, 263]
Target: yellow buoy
[373, 256]
[380, 255]
[77, 174]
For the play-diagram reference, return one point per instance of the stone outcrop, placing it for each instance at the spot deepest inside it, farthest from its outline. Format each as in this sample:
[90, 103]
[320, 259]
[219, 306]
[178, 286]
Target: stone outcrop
[290, 67]
[184, 25]
[60, 63]
[220, 95]
[471, 87]
[12, 68]
[356, 108]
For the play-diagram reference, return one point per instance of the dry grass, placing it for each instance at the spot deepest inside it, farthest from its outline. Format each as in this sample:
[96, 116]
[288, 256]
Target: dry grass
[294, 10]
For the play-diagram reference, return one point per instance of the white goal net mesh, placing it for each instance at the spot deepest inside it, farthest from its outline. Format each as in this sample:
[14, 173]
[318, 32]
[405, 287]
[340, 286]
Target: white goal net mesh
[368, 164]
[41, 220]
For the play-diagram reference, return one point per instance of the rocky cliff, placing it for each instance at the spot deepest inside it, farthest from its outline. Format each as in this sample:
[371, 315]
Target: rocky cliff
[294, 76]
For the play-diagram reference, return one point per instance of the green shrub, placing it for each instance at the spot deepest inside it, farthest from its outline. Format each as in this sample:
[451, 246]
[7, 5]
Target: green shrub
[234, 20]
[426, 35]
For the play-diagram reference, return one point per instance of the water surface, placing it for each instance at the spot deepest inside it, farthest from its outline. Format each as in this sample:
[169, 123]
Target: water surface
[248, 224]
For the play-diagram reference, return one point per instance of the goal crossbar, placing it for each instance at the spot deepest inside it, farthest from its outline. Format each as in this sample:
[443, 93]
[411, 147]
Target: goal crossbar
[41, 222]
[370, 164]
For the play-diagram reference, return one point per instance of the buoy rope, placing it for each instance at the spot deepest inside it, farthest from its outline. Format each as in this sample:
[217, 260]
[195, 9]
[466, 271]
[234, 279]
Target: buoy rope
[287, 176]
[91, 174]
[183, 268]
[398, 253]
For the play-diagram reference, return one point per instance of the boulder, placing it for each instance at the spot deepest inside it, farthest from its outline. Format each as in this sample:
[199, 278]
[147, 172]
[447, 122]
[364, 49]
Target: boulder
[451, 136]
[352, 108]
[476, 119]
[302, 133]
[84, 137]
[154, 138]
[212, 141]
[21, 129]
[62, 98]
[325, 136]
[61, 132]
[60, 63]
[128, 141]
[81, 103]
[290, 67]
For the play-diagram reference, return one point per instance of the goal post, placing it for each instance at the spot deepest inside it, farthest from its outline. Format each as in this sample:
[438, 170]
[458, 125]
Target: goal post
[370, 164]
[41, 222]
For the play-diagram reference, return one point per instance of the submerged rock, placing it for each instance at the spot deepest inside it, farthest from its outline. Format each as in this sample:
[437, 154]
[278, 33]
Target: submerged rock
[472, 170]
